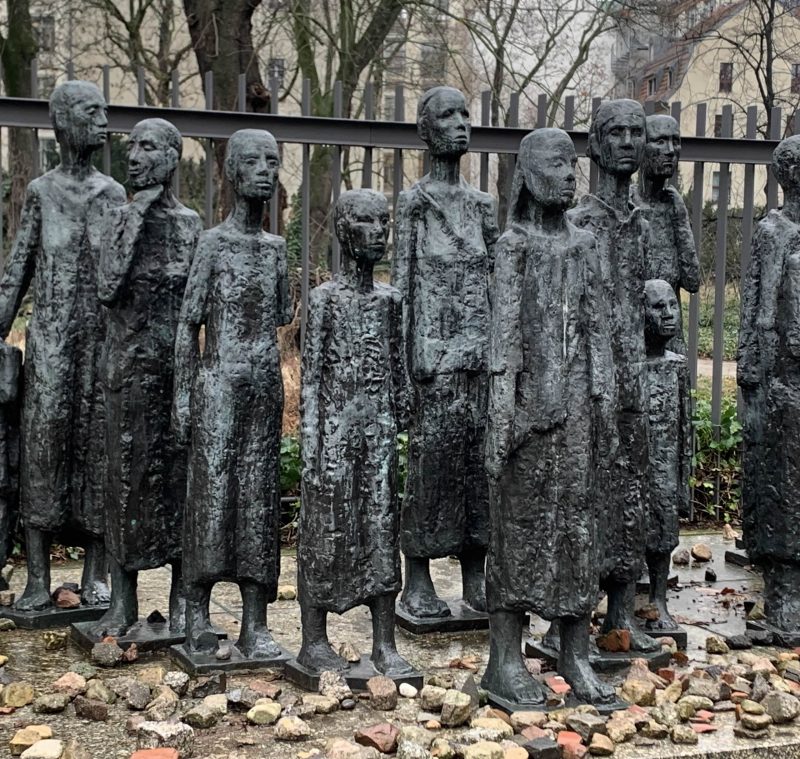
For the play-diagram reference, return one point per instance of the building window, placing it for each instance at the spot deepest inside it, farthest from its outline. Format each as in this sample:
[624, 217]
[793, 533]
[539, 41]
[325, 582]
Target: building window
[715, 187]
[45, 31]
[432, 63]
[651, 86]
[795, 78]
[670, 78]
[725, 77]
[718, 125]
[388, 106]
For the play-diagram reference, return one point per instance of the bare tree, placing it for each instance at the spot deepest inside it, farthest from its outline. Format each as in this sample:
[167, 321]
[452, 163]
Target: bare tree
[18, 48]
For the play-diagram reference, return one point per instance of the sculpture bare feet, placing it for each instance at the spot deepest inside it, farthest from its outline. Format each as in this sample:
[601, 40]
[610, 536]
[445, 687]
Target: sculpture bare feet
[475, 597]
[319, 657]
[586, 685]
[258, 644]
[510, 680]
[35, 598]
[388, 662]
[665, 620]
[114, 622]
[424, 603]
[95, 593]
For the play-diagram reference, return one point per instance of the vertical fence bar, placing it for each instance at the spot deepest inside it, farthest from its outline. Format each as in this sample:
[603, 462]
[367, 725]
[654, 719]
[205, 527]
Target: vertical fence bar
[369, 115]
[274, 203]
[37, 167]
[486, 115]
[593, 171]
[209, 160]
[70, 70]
[774, 134]
[140, 90]
[749, 196]
[541, 111]
[2, 210]
[336, 180]
[399, 115]
[675, 112]
[305, 226]
[719, 286]
[569, 113]
[241, 93]
[175, 102]
[513, 121]
[796, 122]
[697, 229]
[107, 96]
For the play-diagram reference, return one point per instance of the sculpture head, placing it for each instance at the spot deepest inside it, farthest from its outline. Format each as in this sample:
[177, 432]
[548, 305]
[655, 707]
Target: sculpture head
[545, 172]
[661, 312]
[79, 114]
[617, 137]
[154, 149]
[443, 122]
[663, 149]
[362, 225]
[252, 161]
[786, 164]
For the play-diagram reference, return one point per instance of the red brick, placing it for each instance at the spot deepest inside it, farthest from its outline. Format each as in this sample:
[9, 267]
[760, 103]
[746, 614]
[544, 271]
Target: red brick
[702, 728]
[532, 733]
[566, 737]
[156, 753]
[706, 715]
[558, 685]
[665, 673]
[615, 641]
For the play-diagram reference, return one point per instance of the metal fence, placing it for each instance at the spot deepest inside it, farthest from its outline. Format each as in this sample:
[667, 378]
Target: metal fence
[368, 133]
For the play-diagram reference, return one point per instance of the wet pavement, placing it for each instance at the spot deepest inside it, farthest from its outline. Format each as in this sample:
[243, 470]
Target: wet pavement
[703, 607]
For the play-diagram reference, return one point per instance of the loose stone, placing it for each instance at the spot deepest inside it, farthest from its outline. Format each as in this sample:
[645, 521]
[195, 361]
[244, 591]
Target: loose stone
[291, 729]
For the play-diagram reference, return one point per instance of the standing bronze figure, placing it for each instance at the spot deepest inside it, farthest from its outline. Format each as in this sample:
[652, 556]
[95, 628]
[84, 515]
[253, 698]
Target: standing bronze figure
[445, 236]
[229, 403]
[550, 425]
[354, 401]
[144, 266]
[768, 373]
[56, 254]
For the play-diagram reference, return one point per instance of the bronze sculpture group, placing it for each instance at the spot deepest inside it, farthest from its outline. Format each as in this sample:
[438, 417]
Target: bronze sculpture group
[541, 375]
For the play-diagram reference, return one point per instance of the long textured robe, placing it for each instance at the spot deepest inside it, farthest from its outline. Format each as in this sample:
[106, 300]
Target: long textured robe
[550, 401]
[143, 271]
[442, 264]
[56, 253]
[354, 400]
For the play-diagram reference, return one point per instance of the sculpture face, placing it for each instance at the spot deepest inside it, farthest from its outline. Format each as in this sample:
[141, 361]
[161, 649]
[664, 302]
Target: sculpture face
[550, 170]
[663, 149]
[786, 164]
[151, 159]
[252, 163]
[80, 119]
[444, 123]
[362, 225]
[618, 145]
[661, 309]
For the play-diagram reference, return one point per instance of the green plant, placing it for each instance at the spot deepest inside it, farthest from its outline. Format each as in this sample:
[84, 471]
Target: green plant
[291, 465]
[717, 460]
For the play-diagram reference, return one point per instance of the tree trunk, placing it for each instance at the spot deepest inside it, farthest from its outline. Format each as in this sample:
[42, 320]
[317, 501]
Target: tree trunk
[18, 51]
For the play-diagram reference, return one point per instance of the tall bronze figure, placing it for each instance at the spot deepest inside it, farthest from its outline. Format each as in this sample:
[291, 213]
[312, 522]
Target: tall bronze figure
[229, 403]
[144, 266]
[445, 236]
[616, 145]
[10, 398]
[768, 374]
[550, 425]
[670, 441]
[56, 254]
[354, 401]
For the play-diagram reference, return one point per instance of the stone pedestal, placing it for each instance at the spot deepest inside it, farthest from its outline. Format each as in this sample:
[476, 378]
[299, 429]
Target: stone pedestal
[463, 618]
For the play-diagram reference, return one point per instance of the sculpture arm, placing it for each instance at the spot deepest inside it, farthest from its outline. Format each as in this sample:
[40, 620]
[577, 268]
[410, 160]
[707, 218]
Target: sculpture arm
[491, 232]
[285, 310]
[312, 364]
[123, 227]
[187, 343]
[19, 268]
[505, 355]
[688, 261]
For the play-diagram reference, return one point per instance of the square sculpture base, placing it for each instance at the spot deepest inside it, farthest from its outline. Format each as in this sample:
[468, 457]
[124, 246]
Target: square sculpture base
[780, 637]
[678, 634]
[49, 618]
[148, 636]
[738, 558]
[356, 676]
[463, 618]
[198, 663]
[601, 661]
[569, 703]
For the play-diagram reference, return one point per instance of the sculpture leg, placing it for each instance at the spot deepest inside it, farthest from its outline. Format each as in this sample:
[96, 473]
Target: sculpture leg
[37, 588]
[255, 642]
[199, 635]
[124, 609]
[177, 599]
[384, 649]
[473, 577]
[419, 596]
[620, 615]
[573, 663]
[316, 652]
[94, 582]
[552, 638]
[658, 569]
[506, 675]
[781, 603]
